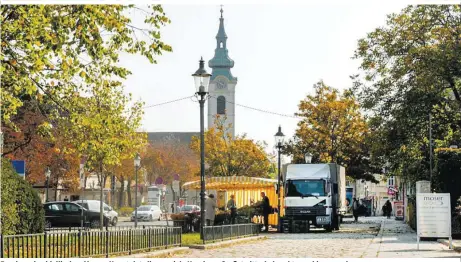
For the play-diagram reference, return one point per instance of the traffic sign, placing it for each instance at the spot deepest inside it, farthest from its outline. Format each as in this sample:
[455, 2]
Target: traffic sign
[176, 177]
[159, 181]
[176, 186]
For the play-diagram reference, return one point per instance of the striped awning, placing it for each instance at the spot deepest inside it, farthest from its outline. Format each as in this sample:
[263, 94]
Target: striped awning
[232, 182]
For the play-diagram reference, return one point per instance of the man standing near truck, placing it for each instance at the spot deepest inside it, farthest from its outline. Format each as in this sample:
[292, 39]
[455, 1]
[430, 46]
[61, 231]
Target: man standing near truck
[266, 210]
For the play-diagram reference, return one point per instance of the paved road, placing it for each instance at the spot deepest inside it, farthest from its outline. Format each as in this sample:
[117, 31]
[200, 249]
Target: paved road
[354, 240]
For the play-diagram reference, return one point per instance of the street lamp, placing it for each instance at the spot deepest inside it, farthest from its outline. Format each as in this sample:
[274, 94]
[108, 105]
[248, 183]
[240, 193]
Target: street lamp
[137, 164]
[308, 158]
[279, 136]
[47, 175]
[202, 80]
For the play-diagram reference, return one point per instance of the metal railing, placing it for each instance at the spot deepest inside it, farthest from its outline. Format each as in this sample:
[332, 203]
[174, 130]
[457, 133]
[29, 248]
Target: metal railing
[89, 243]
[113, 228]
[227, 232]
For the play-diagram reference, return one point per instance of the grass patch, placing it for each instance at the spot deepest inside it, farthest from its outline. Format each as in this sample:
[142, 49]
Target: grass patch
[191, 239]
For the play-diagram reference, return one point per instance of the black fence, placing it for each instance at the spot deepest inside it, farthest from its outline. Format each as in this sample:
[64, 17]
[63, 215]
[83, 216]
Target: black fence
[89, 243]
[227, 232]
[116, 228]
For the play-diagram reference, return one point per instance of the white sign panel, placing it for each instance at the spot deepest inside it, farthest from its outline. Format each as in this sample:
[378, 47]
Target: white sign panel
[176, 186]
[433, 215]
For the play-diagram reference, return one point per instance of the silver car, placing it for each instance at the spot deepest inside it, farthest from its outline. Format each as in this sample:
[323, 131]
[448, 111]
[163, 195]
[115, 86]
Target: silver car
[147, 213]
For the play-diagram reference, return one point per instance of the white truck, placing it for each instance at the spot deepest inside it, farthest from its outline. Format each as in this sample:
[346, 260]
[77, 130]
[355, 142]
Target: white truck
[315, 195]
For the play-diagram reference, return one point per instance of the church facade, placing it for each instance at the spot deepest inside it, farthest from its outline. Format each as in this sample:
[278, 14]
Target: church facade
[222, 83]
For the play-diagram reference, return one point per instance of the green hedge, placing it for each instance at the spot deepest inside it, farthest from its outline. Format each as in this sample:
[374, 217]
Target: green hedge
[22, 209]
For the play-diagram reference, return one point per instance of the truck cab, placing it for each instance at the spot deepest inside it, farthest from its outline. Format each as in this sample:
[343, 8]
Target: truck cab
[313, 197]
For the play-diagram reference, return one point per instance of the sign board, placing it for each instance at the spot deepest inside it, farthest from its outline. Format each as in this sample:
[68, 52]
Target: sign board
[20, 167]
[158, 181]
[433, 216]
[176, 186]
[176, 177]
[390, 191]
[398, 207]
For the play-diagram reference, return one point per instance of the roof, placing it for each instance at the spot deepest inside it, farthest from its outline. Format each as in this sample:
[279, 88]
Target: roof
[182, 137]
[232, 182]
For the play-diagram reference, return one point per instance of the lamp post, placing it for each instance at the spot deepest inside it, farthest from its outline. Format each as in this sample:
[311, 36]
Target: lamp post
[279, 136]
[202, 80]
[137, 164]
[47, 175]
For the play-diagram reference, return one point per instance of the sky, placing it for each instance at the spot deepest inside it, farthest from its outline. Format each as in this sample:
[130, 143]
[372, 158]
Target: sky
[280, 52]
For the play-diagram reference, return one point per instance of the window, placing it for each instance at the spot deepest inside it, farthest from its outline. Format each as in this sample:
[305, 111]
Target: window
[221, 45]
[71, 208]
[390, 181]
[55, 207]
[221, 105]
[305, 188]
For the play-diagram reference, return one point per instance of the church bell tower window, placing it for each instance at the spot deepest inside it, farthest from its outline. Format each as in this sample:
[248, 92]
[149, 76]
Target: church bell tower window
[221, 105]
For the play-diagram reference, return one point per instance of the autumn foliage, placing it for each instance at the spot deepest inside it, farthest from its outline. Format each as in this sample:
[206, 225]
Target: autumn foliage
[232, 157]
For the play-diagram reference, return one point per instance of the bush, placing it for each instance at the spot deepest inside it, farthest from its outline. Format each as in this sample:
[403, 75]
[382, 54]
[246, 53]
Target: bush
[177, 216]
[125, 211]
[22, 209]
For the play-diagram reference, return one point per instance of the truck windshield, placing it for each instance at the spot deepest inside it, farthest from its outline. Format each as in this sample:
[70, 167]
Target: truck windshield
[305, 188]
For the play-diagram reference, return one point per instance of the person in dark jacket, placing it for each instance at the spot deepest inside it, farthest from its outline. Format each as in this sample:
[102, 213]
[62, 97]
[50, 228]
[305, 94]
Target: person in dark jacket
[387, 209]
[266, 210]
[233, 208]
[355, 209]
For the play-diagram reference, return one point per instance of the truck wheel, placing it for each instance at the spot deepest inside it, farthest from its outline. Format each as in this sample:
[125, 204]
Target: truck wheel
[329, 229]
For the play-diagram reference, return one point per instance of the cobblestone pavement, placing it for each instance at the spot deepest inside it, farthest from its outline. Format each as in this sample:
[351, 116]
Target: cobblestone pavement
[354, 240]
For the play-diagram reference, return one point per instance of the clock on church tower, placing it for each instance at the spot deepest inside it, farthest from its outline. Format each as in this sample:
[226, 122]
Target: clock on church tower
[222, 84]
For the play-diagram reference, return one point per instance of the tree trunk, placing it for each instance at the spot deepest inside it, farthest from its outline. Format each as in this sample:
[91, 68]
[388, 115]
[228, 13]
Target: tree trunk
[128, 191]
[101, 188]
[121, 193]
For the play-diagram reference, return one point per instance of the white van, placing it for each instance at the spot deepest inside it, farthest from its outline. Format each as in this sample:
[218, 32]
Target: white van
[94, 205]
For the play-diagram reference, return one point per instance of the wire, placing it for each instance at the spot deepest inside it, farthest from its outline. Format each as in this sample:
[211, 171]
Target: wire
[168, 102]
[260, 110]
[230, 102]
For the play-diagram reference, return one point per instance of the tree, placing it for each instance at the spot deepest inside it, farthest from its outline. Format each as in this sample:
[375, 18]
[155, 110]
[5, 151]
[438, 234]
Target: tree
[232, 157]
[106, 131]
[52, 54]
[166, 158]
[333, 130]
[411, 68]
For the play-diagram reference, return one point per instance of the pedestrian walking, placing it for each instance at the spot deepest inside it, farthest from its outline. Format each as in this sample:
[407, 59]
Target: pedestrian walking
[355, 209]
[210, 209]
[266, 210]
[388, 207]
[233, 208]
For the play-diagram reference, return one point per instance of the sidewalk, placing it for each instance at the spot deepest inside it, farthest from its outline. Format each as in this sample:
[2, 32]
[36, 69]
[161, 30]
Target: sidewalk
[397, 239]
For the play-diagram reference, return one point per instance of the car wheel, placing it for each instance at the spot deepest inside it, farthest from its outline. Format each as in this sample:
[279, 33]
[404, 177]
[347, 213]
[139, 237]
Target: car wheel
[151, 218]
[159, 217]
[47, 223]
[95, 223]
[114, 221]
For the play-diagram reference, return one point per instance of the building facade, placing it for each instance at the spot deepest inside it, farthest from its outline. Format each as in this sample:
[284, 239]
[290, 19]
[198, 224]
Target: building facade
[222, 83]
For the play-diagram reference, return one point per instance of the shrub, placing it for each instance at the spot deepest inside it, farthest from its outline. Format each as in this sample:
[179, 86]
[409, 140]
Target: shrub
[22, 209]
[125, 211]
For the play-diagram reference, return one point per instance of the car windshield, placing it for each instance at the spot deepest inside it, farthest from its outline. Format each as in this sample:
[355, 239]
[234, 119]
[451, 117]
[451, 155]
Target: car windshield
[186, 208]
[305, 188]
[144, 208]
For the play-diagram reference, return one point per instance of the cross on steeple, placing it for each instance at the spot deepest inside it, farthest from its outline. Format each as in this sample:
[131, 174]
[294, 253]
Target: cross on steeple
[221, 11]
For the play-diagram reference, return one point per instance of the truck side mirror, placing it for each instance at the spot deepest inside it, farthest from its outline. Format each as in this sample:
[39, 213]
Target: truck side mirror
[335, 188]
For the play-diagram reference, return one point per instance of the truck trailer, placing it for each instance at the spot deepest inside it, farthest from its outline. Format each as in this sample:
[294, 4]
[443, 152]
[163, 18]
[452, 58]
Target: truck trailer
[315, 195]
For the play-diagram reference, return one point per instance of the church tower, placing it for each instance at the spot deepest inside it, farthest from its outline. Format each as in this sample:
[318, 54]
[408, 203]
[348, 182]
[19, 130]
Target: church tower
[222, 82]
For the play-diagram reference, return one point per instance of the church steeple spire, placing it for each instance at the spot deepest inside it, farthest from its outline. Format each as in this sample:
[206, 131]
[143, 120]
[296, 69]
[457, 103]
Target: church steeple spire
[221, 63]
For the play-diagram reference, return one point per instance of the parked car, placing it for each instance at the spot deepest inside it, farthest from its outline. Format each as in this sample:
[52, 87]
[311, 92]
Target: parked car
[147, 213]
[187, 209]
[68, 214]
[94, 205]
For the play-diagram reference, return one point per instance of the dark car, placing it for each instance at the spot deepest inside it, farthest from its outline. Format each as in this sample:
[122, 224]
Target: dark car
[190, 209]
[67, 214]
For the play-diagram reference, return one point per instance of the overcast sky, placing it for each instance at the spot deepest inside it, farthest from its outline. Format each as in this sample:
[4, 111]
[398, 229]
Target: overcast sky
[280, 51]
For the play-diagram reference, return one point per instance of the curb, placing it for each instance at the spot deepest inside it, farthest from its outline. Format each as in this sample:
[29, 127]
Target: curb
[158, 253]
[446, 242]
[225, 243]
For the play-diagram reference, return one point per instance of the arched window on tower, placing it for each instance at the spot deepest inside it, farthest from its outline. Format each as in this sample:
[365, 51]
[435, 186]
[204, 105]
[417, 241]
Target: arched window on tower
[221, 45]
[221, 105]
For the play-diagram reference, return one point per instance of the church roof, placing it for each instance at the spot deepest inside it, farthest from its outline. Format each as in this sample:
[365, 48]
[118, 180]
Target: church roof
[221, 62]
